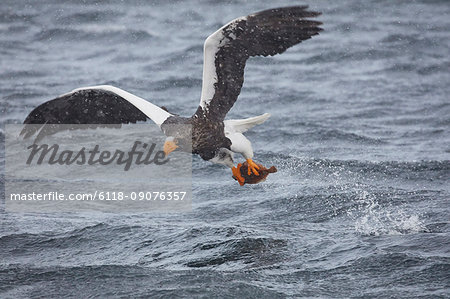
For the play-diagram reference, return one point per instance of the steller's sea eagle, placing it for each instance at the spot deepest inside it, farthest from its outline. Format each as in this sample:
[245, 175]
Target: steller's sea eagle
[226, 51]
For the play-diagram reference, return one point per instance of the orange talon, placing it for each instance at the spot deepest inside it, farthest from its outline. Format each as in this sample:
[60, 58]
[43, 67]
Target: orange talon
[252, 167]
[237, 174]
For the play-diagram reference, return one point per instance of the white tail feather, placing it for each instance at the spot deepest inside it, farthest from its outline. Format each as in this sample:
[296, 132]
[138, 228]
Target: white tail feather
[243, 125]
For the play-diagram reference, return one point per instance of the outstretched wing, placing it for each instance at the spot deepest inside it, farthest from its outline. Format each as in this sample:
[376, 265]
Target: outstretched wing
[264, 33]
[101, 104]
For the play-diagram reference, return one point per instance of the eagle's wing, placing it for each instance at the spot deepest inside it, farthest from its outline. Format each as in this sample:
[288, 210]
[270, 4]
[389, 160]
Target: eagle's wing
[264, 33]
[101, 104]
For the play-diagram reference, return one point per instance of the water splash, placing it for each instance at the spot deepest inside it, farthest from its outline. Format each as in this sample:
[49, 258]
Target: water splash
[372, 218]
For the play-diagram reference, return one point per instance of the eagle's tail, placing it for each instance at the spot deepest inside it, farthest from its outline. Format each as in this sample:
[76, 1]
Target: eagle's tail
[243, 125]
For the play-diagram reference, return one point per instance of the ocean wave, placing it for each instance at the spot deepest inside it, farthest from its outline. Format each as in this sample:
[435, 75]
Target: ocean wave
[94, 16]
[371, 212]
[174, 82]
[408, 169]
[94, 32]
[346, 55]
[9, 16]
[314, 134]
[23, 74]
[416, 67]
[247, 251]
[77, 238]
[435, 68]
[130, 281]
[340, 135]
[207, 246]
[403, 38]
[374, 218]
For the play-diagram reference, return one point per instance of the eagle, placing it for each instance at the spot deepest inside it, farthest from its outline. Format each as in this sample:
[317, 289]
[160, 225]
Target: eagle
[211, 136]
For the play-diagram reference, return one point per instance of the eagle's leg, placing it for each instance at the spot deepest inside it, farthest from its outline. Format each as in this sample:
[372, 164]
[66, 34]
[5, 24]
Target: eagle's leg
[252, 167]
[237, 174]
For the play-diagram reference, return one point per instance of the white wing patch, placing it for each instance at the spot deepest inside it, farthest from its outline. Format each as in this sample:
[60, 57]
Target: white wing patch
[212, 45]
[152, 111]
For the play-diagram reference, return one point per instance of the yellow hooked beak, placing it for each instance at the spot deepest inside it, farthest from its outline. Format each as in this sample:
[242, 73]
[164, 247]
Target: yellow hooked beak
[169, 146]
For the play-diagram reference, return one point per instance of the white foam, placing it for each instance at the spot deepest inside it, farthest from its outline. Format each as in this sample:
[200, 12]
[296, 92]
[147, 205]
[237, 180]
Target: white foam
[371, 218]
